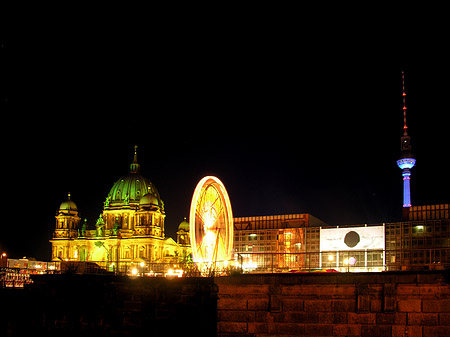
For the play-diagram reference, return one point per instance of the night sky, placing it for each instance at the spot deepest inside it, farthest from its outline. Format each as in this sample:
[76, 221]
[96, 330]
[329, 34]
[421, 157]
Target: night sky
[291, 117]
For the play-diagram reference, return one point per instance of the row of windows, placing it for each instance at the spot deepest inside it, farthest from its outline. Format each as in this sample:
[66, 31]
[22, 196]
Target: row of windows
[437, 225]
[256, 237]
[420, 231]
[442, 214]
[256, 249]
[430, 207]
[270, 217]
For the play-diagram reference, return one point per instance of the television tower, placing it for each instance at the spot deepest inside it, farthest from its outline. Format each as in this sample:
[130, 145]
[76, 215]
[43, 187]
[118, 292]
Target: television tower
[407, 159]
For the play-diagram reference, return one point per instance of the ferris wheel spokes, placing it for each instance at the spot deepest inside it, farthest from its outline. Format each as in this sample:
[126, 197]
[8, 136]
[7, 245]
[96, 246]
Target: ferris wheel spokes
[211, 222]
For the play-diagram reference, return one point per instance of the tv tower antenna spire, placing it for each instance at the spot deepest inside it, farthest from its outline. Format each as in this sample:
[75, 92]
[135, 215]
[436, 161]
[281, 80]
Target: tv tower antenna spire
[407, 159]
[405, 127]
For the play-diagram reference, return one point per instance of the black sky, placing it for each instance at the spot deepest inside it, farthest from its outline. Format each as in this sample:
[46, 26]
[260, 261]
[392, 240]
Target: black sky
[291, 117]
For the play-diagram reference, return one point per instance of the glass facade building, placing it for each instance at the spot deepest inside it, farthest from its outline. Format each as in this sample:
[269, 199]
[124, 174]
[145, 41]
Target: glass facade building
[292, 242]
[272, 242]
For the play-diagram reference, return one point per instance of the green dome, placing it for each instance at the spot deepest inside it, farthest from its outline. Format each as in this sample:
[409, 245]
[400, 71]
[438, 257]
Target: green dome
[68, 206]
[128, 190]
[184, 226]
[149, 200]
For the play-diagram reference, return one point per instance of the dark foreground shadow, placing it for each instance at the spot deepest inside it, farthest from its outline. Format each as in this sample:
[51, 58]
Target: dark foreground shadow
[99, 305]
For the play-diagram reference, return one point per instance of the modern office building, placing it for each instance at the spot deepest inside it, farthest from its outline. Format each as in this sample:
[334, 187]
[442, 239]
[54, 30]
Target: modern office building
[421, 240]
[296, 242]
[274, 241]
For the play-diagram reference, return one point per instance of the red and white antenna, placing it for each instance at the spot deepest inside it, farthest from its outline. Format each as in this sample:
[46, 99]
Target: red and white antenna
[405, 127]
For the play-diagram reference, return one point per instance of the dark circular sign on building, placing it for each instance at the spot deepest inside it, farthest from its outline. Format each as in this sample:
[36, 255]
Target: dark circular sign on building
[351, 239]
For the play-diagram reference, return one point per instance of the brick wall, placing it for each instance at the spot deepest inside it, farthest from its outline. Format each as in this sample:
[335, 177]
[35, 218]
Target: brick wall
[369, 304]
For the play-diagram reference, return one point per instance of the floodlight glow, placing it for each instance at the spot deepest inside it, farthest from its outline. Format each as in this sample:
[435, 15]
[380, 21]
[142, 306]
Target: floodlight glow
[211, 223]
[174, 273]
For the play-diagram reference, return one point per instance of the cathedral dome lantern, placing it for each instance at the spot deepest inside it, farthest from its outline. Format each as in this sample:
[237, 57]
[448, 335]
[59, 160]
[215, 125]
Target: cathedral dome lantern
[135, 167]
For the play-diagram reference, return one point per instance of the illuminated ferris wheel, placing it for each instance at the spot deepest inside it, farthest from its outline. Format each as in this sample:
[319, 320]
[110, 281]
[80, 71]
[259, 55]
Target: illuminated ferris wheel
[211, 223]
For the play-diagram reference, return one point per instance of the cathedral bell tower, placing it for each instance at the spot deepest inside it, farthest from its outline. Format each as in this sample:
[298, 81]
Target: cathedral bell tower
[66, 231]
[183, 236]
[67, 220]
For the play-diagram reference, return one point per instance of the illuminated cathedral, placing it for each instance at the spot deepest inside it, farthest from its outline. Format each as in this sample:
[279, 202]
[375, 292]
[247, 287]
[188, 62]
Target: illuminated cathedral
[130, 228]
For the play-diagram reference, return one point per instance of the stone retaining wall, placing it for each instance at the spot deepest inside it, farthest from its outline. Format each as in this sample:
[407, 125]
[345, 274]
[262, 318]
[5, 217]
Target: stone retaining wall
[369, 304]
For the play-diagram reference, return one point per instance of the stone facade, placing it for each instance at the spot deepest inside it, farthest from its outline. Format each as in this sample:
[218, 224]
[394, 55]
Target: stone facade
[369, 304]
